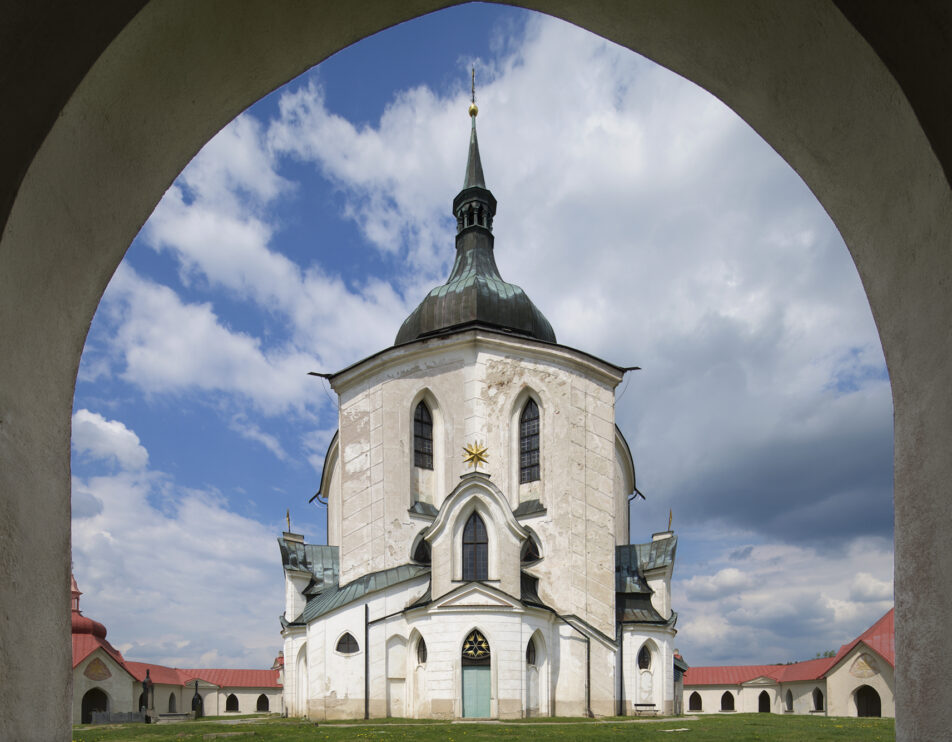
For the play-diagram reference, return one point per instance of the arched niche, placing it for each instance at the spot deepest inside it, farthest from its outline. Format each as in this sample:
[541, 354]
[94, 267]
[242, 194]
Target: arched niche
[130, 93]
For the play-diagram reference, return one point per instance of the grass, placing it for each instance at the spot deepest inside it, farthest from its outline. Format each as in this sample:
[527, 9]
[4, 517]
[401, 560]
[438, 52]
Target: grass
[733, 728]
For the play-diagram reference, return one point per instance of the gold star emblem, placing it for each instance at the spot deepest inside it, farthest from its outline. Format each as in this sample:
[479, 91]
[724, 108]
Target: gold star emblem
[475, 454]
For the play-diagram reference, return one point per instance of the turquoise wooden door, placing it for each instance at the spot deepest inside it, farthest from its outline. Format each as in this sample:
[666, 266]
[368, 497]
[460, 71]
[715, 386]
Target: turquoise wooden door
[476, 685]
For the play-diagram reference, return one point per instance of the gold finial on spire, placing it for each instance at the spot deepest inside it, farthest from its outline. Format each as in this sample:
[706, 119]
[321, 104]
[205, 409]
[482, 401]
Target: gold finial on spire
[670, 517]
[473, 108]
[287, 515]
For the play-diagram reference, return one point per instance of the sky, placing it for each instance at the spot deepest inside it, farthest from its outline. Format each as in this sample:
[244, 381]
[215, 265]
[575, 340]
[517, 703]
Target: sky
[648, 222]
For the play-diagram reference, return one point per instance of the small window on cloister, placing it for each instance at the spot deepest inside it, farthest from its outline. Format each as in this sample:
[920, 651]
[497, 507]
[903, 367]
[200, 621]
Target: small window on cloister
[422, 437]
[529, 443]
[263, 703]
[727, 701]
[231, 703]
[817, 699]
[694, 702]
[347, 644]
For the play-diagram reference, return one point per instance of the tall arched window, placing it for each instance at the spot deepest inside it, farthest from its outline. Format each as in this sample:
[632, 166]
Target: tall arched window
[423, 437]
[231, 703]
[644, 658]
[475, 549]
[421, 652]
[788, 702]
[529, 443]
[172, 702]
[530, 653]
[694, 702]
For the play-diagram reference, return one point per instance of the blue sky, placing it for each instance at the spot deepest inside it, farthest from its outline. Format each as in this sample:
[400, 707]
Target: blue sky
[649, 224]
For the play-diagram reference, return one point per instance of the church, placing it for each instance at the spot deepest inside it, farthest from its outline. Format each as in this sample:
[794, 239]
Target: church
[478, 560]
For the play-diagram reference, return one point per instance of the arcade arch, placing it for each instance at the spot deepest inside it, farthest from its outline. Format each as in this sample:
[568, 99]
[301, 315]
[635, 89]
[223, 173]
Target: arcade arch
[803, 75]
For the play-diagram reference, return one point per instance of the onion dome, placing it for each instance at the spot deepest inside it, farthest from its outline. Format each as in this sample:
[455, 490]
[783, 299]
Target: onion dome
[81, 624]
[475, 295]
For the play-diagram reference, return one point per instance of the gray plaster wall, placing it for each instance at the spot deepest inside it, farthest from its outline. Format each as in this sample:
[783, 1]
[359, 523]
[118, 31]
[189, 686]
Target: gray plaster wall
[103, 106]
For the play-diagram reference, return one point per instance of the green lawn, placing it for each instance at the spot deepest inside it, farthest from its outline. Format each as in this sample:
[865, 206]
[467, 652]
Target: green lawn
[733, 728]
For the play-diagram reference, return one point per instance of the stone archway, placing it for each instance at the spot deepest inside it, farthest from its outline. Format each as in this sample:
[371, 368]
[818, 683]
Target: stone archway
[106, 104]
[94, 700]
[867, 702]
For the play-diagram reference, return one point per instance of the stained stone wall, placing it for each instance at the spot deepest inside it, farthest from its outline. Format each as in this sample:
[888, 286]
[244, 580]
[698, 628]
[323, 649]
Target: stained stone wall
[478, 382]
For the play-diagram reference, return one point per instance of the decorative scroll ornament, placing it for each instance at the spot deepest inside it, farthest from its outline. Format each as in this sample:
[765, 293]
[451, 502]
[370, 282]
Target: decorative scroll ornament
[475, 454]
[476, 647]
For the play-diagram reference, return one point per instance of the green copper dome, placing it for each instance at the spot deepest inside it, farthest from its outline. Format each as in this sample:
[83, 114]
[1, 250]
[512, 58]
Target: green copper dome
[475, 294]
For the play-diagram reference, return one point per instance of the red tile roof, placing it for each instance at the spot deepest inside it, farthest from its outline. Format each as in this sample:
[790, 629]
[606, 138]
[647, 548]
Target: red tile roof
[221, 678]
[85, 644]
[157, 673]
[879, 637]
[235, 678]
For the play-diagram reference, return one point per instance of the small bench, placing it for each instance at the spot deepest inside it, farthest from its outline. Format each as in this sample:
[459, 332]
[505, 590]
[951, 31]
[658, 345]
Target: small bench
[645, 709]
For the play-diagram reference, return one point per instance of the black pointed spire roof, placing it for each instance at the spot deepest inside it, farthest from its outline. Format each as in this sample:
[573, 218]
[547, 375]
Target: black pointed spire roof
[474, 166]
[475, 294]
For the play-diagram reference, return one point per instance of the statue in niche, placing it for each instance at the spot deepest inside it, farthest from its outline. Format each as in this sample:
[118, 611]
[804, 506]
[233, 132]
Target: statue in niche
[198, 707]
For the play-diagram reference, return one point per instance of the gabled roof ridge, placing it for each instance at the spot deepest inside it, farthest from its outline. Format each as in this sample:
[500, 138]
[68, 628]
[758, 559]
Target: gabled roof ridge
[880, 638]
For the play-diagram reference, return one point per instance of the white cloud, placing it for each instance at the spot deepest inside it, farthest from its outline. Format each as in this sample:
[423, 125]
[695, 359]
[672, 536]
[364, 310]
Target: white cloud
[779, 602]
[727, 581]
[247, 429]
[108, 439]
[867, 588]
[169, 346]
[177, 577]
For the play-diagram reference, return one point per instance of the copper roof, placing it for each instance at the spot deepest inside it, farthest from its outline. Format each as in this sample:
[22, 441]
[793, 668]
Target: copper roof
[475, 295]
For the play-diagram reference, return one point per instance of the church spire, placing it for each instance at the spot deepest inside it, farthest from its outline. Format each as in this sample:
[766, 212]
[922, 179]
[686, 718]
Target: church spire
[475, 295]
[474, 166]
[474, 206]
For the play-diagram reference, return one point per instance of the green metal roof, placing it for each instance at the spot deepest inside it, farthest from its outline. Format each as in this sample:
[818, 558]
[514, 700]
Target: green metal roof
[637, 608]
[337, 597]
[321, 561]
[633, 560]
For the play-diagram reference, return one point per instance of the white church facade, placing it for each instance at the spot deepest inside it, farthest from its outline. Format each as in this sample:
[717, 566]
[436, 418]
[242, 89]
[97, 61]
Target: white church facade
[478, 561]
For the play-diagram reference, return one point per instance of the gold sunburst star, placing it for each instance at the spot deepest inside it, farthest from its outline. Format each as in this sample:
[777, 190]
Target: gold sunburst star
[475, 454]
[476, 647]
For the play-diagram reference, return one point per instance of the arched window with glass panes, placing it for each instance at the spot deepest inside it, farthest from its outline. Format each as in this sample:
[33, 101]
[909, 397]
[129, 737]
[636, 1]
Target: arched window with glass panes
[475, 549]
[529, 443]
[644, 658]
[422, 437]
